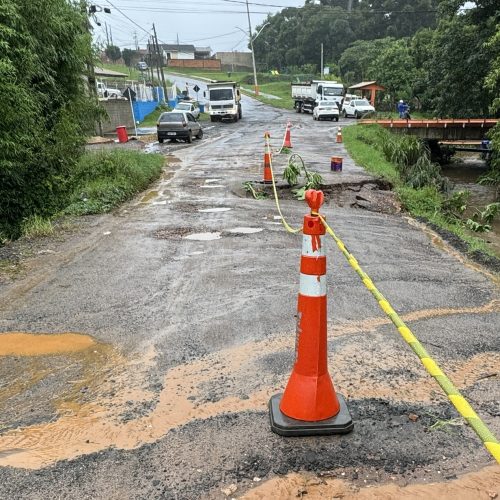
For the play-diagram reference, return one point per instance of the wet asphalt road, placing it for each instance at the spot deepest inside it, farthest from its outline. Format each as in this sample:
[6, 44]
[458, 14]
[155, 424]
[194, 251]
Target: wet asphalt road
[191, 338]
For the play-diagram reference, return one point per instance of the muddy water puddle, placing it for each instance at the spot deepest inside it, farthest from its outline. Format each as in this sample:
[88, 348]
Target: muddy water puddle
[482, 485]
[123, 412]
[30, 344]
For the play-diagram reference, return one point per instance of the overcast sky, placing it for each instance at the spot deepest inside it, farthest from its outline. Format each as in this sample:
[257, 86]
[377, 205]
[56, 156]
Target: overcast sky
[199, 22]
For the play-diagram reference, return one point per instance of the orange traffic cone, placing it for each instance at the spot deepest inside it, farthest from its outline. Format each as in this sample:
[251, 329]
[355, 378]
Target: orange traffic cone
[268, 178]
[339, 134]
[287, 143]
[310, 405]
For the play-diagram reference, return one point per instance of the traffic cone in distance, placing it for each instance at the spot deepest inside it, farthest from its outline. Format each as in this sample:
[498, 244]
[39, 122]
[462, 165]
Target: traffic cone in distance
[287, 143]
[339, 135]
[268, 178]
[310, 405]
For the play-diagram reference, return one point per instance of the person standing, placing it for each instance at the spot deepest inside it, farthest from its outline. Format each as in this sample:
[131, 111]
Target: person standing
[402, 107]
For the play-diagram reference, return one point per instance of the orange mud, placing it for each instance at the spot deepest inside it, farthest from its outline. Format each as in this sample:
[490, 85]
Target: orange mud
[484, 484]
[35, 344]
[93, 425]
[149, 196]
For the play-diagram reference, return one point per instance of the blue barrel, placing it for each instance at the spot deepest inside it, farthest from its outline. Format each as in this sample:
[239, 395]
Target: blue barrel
[336, 164]
[202, 108]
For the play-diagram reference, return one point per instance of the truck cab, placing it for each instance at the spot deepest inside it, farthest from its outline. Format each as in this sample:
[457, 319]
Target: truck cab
[224, 101]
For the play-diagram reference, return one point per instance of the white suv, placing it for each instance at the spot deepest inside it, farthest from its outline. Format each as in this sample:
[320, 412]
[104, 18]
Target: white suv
[356, 107]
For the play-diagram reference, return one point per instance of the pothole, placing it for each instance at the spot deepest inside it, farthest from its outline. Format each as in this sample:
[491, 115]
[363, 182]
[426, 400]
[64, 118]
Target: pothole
[214, 210]
[245, 230]
[204, 236]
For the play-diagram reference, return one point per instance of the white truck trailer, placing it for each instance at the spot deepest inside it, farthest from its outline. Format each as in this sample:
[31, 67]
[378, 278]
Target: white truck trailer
[224, 101]
[307, 95]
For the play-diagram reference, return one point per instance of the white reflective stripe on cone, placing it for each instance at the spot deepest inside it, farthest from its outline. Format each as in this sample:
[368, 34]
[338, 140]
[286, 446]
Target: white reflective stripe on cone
[312, 286]
[307, 248]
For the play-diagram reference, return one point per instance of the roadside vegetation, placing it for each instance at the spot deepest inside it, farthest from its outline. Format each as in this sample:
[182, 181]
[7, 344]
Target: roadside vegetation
[103, 180]
[422, 190]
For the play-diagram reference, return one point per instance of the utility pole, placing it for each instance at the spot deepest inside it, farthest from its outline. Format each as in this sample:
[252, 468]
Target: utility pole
[322, 67]
[256, 86]
[160, 60]
[136, 41]
[349, 5]
[111, 35]
[107, 34]
[150, 61]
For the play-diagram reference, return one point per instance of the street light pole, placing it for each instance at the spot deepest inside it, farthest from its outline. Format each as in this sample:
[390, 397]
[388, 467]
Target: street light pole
[256, 86]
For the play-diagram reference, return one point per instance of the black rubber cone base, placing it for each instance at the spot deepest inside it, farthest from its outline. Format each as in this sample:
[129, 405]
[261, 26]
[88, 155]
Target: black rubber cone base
[286, 426]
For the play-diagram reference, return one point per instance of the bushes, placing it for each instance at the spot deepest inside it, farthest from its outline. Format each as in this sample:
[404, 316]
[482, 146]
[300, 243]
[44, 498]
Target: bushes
[44, 47]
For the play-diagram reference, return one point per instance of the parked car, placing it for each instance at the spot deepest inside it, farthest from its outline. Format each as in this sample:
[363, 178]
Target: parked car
[189, 107]
[142, 66]
[326, 110]
[178, 125]
[356, 108]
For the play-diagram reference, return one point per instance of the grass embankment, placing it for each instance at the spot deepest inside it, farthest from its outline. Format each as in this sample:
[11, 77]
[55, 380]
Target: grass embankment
[101, 181]
[367, 145]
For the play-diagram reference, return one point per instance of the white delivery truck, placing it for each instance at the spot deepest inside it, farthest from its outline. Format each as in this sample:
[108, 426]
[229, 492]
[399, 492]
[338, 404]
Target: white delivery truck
[307, 95]
[224, 101]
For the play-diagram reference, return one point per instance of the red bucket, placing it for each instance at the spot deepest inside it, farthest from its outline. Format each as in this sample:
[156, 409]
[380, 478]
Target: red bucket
[121, 132]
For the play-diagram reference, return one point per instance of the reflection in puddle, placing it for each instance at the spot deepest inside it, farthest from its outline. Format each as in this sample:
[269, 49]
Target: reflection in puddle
[210, 181]
[203, 236]
[245, 230]
[213, 210]
[149, 196]
[211, 186]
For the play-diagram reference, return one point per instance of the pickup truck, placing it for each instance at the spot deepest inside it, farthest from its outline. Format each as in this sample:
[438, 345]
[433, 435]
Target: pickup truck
[104, 91]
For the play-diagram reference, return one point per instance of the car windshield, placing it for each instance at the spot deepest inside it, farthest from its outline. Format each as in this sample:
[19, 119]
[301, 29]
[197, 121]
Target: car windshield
[172, 117]
[221, 95]
[361, 102]
[330, 91]
[183, 106]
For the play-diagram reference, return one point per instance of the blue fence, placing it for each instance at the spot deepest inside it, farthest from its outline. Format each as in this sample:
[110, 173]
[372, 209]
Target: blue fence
[144, 108]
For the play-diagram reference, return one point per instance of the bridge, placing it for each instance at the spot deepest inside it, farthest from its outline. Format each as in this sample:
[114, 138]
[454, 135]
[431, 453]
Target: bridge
[464, 130]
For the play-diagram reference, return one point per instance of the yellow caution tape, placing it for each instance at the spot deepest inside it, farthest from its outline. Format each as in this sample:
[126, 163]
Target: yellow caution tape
[462, 406]
[283, 220]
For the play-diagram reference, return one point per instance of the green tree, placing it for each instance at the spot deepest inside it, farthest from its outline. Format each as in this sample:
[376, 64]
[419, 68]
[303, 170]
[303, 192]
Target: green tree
[128, 57]
[357, 60]
[394, 69]
[113, 52]
[46, 111]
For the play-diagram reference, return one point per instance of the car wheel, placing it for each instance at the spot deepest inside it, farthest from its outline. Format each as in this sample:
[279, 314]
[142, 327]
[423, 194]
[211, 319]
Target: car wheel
[357, 115]
[199, 135]
[189, 139]
[160, 140]
[299, 108]
[344, 113]
[336, 118]
[240, 114]
[235, 119]
[213, 119]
